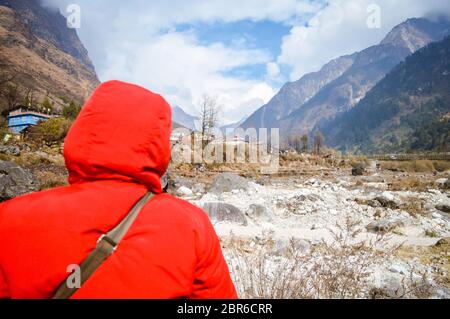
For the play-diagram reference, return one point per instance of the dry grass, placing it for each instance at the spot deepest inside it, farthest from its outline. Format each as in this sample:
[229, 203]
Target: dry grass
[31, 159]
[410, 183]
[416, 166]
[49, 180]
[413, 205]
[355, 160]
[341, 269]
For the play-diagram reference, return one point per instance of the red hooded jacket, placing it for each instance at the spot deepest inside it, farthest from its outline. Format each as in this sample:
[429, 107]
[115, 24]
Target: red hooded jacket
[116, 150]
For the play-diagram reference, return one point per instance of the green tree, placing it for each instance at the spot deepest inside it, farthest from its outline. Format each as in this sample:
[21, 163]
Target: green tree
[52, 130]
[71, 110]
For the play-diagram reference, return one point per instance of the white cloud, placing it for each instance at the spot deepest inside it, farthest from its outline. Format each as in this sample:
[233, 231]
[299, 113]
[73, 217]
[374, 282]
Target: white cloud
[272, 70]
[341, 28]
[176, 65]
[135, 41]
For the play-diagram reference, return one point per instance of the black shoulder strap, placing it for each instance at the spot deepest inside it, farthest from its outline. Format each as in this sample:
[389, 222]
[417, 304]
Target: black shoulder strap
[106, 245]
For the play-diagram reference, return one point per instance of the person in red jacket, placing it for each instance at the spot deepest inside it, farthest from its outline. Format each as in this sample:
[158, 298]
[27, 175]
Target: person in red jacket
[116, 151]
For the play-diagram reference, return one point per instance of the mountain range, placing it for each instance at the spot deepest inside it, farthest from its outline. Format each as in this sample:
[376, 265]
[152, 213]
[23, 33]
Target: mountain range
[303, 106]
[408, 110]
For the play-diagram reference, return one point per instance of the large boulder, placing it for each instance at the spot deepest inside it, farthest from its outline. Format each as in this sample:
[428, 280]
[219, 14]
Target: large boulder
[358, 169]
[259, 213]
[223, 212]
[227, 182]
[15, 181]
[443, 208]
[174, 182]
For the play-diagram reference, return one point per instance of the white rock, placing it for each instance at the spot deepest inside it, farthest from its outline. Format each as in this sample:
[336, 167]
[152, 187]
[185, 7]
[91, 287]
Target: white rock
[397, 268]
[332, 212]
[184, 191]
[436, 215]
[388, 196]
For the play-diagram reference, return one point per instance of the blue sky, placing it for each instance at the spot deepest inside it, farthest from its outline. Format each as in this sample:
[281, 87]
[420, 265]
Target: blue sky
[244, 34]
[240, 51]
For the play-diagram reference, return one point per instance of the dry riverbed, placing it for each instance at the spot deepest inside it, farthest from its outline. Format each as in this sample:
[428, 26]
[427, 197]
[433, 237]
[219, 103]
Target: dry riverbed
[394, 239]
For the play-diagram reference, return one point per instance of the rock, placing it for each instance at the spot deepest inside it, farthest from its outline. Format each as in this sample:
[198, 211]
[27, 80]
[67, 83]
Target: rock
[397, 268]
[443, 208]
[184, 191]
[373, 203]
[443, 183]
[198, 188]
[10, 150]
[295, 204]
[332, 212]
[384, 201]
[259, 213]
[165, 182]
[15, 181]
[358, 169]
[392, 288]
[175, 182]
[440, 182]
[379, 214]
[436, 215]
[383, 225]
[263, 180]
[226, 182]
[447, 184]
[223, 212]
[443, 242]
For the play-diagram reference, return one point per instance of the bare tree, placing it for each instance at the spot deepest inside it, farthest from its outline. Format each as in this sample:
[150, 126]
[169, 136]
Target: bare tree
[318, 142]
[29, 98]
[12, 93]
[209, 115]
[305, 141]
[295, 142]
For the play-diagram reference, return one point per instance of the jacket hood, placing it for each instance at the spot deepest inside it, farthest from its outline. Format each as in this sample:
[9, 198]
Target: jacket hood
[123, 133]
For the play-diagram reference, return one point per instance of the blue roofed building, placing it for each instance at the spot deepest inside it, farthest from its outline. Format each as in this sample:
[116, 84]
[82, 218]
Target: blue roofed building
[22, 118]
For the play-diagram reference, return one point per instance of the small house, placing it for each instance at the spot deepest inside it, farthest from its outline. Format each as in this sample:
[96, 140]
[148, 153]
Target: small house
[22, 118]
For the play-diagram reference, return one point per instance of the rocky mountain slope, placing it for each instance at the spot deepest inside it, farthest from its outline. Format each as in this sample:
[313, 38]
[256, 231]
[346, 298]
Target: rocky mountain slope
[45, 55]
[292, 95]
[184, 119]
[298, 108]
[408, 110]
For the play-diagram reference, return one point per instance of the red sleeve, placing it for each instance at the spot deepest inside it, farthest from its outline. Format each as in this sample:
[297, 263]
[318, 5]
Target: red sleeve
[212, 277]
[4, 291]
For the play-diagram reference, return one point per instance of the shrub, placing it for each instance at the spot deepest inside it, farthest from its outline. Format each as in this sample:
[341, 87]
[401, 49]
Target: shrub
[50, 131]
[70, 111]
